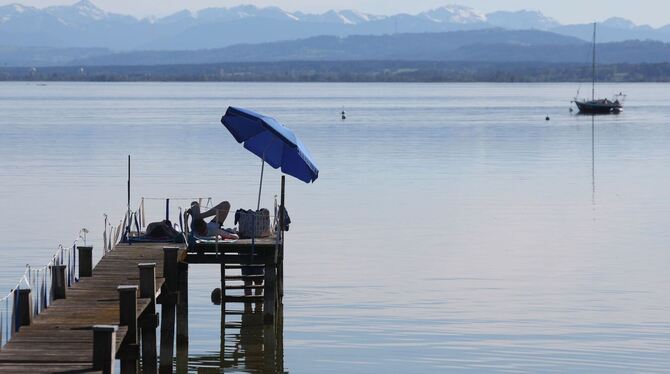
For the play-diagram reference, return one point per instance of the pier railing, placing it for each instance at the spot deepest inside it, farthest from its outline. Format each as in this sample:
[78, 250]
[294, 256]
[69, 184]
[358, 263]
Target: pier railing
[36, 290]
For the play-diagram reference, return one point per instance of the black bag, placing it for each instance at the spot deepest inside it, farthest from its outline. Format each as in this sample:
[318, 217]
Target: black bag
[161, 230]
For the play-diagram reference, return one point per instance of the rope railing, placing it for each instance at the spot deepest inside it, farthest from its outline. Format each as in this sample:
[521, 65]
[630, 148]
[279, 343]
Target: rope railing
[39, 282]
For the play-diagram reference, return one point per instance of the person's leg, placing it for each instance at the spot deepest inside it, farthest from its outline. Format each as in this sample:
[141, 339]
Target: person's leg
[220, 211]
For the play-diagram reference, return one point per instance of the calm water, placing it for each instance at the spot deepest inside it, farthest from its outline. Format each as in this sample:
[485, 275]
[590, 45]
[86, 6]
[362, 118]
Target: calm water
[452, 228]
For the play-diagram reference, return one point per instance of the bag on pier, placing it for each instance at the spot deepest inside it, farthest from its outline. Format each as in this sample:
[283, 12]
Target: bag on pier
[248, 228]
[161, 230]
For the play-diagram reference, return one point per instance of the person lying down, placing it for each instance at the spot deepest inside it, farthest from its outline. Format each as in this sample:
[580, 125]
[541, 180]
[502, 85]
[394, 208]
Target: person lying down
[212, 228]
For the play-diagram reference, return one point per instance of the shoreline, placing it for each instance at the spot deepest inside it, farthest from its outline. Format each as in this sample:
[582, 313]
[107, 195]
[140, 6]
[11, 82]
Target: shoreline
[347, 72]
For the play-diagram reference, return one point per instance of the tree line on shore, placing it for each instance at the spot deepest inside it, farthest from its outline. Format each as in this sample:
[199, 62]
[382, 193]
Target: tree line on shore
[347, 71]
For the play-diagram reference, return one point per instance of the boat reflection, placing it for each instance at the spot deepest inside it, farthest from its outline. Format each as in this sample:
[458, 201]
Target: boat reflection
[593, 162]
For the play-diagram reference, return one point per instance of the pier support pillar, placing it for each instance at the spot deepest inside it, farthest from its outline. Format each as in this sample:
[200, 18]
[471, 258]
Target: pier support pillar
[104, 348]
[58, 283]
[25, 308]
[149, 319]
[168, 301]
[280, 249]
[269, 293]
[128, 317]
[222, 341]
[280, 271]
[85, 261]
[182, 319]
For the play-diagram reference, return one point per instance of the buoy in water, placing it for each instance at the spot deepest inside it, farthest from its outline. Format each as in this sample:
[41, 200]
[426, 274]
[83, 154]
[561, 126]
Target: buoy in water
[344, 115]
[216, 296]
[546, 118]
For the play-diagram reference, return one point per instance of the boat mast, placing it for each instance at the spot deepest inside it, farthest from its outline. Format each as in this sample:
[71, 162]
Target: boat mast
[593, 86]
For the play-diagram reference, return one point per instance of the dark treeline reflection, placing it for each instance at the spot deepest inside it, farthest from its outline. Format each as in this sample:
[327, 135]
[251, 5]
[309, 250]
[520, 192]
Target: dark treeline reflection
[247, 344]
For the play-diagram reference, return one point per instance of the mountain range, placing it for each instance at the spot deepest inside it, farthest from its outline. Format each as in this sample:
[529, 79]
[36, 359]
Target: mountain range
[487, 45]
[84, 25]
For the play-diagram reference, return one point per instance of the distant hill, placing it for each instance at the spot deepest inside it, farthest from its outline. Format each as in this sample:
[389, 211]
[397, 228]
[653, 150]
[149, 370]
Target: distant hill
[84, 25]
[36, 56]
[490, 45]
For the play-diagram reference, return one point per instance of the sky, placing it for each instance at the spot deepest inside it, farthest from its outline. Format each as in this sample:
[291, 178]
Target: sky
[651, 12]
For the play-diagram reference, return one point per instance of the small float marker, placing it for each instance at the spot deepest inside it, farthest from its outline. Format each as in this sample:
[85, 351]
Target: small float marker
[344, 115]
[547, 118]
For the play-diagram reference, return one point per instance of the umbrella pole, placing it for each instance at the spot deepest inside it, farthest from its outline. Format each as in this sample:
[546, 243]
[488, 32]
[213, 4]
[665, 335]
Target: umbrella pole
[258, 206]
[260, 186]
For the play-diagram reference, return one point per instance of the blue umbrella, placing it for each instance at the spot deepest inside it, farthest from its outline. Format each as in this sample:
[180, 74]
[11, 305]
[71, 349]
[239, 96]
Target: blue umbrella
[273, 143]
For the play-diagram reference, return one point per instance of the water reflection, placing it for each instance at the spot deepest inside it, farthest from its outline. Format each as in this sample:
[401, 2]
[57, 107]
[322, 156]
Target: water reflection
[247, 344]
[593, 161]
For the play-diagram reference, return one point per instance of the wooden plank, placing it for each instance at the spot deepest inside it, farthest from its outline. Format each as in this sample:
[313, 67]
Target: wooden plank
[244, 277]
[258, 259]
[48, 367]
[245, 287]
[243, 299]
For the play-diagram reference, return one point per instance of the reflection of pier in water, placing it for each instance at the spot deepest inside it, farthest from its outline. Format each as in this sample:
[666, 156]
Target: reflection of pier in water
[247, 344]
[250, 295]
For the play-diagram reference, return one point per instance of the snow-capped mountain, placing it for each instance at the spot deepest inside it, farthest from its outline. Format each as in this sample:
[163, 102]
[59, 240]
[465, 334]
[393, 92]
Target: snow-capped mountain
[86, 25]
[347, 17]
[83, 11]
[522, 19]
[454, 14]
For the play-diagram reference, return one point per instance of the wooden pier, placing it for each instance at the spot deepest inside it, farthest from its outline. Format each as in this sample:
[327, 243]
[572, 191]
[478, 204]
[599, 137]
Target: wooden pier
[111, 312]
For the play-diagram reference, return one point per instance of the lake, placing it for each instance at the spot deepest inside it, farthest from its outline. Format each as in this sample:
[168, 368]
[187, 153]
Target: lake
[452, 228]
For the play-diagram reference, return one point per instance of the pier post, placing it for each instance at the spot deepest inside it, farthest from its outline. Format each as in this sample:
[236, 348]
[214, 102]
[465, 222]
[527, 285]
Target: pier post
[25, 308]
[85, 261]
[280, 254]
[128, 317]
[58, 282]
[182, 319]
[269, 293]
[149, 320]
[104, 348]
[222, 343]
[168, 300]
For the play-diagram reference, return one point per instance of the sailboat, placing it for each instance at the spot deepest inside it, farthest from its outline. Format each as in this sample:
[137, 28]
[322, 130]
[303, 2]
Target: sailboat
[598, 106]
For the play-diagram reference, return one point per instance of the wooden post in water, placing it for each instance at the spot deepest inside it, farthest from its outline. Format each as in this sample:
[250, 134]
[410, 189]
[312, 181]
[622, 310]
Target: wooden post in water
[168, 303]
[222, 344]
[280, 254]
[104, 348]
[269, 292]
[128, 317]
[148, 321]
[25, 308]
[58, 282]
[182, 319]
[85, 261]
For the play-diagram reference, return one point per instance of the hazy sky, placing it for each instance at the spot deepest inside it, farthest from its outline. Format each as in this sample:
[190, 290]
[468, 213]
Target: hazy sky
[652, 12]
